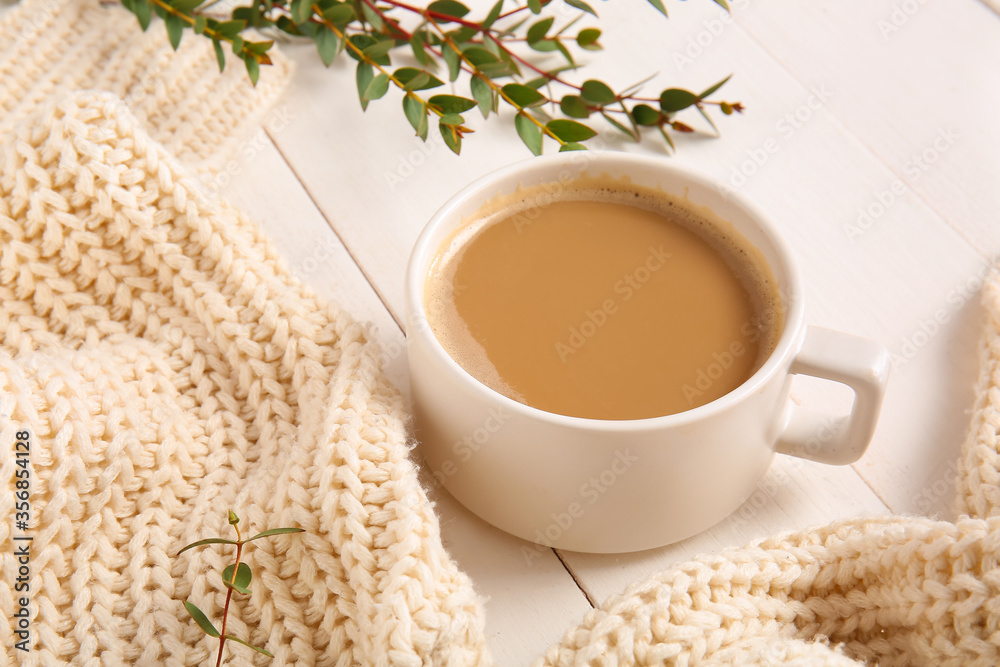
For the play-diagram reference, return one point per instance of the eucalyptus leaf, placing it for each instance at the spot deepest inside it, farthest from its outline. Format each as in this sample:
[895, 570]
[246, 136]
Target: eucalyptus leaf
[659, 6]
[711, 89]
[621, 128]
[378, 87]
[536, 7]
[415, 79]
[451, 104]
[563, 50]
[286, 24]
[142, 12]
[301, 10]
[253, 68]
[230, 29]
[704, 114]
[597, 92]
[572, 146]
[479, 56]
[364, 75]
[418, 44]
[185, 6]
[544, 45]
[201, 619]
[569, 130]
[416, 113]
[462, 34]
[539, 29]
[210, 540]
[574, 107]
[522, 95]
[666, 137]
[676, 99]
[451, 119]
[256, 648]
[243, 578]
[340, 14]
[451, 8]
[494, 14]
[483, 95]
[249, 14]
[580, 4]
[530, 133]
[327, 43]
[452, 137]
[200, 23]
[645, 115]
[587, 39]
[364, 42]
[498, 70]
[493, 47]
[220, 55]
[451, 59]
[175, 29]
[378, 50]
[374, 20]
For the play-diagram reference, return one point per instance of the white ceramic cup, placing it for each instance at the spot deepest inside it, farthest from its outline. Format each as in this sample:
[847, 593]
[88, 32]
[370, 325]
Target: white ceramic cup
[615, 486]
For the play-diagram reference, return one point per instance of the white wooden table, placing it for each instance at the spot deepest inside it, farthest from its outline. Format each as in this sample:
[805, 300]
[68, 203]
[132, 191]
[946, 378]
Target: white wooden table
[853, 106]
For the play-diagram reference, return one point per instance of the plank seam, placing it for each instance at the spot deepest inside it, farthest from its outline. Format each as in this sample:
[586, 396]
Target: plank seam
[576, 580]
[329, 222]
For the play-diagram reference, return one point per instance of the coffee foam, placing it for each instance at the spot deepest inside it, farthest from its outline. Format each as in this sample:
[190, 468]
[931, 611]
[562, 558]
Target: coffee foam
[743, 259]
[448, 326]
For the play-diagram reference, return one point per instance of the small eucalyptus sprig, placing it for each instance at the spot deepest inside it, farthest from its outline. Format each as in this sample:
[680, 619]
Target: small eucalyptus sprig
[489, 54]
[235, 577]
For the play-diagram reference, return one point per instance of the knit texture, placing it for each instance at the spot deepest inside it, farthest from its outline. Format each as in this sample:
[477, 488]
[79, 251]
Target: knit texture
[49, 48]
[168, 368]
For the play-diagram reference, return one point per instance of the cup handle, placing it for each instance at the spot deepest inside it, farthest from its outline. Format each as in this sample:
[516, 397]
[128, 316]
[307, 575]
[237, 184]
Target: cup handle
[861, 364]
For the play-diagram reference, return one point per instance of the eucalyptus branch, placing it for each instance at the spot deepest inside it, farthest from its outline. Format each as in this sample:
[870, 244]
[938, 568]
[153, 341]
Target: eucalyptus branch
[236, 578]
[488, 53]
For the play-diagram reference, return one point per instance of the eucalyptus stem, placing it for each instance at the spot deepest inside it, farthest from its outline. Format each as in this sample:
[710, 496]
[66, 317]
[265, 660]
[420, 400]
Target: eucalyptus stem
[238, 580]
[490, 53]
[497, 89]
[229, 594]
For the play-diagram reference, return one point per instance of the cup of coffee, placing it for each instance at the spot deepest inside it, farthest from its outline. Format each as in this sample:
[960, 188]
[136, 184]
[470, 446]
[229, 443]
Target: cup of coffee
[601, 347]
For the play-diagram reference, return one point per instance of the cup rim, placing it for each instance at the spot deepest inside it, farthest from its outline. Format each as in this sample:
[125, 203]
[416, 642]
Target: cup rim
[419, 325]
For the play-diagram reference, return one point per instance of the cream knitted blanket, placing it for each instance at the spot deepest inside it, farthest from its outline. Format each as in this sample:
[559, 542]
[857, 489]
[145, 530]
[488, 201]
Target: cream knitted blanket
[165, 367]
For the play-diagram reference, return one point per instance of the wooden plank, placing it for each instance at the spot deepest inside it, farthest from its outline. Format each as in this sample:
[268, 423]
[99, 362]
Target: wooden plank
[920, 89]
[529, 603]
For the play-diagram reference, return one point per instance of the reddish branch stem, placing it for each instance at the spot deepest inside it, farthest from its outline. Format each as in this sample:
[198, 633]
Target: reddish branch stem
[229, 596]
